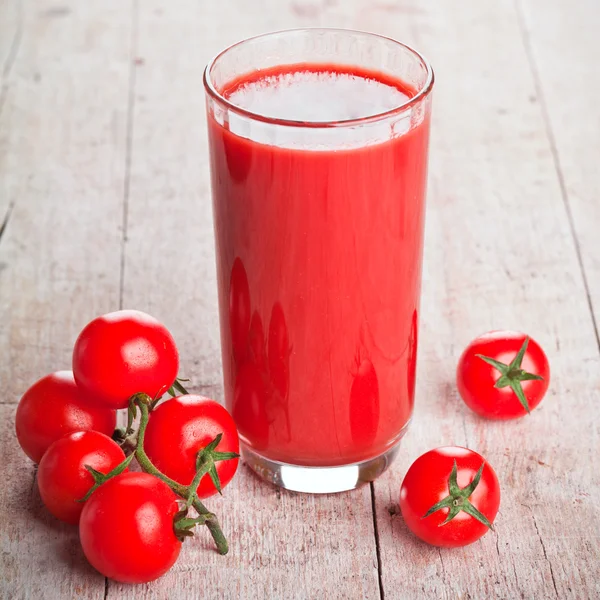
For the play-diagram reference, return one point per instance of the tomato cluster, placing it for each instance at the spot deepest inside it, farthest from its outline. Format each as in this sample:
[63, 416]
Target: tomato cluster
[131, 524]
[450, 496]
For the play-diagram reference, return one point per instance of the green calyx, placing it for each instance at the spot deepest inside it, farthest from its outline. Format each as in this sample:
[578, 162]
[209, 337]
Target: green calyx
[458, 499]
[141, 404]
[177, 387]
[205, 463]
[183, 525]
[512, 375]
[100, 478]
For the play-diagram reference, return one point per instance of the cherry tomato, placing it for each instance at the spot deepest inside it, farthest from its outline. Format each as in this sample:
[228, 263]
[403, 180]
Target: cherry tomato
[239, 310]
[450, 497]
[364, 405]
[122, 353]
[62, 477]
[53, 407]
[249, 408]
[179, 428]
[503, 375]
[126, 528]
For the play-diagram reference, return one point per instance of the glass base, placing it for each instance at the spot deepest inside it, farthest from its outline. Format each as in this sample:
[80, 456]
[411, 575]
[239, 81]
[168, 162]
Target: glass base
[320, 480]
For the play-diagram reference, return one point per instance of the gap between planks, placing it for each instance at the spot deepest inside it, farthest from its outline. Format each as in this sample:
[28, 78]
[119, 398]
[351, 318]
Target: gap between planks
[128, 160]
[129, 140]
[555, 158]
[377, 544]
[12, 54]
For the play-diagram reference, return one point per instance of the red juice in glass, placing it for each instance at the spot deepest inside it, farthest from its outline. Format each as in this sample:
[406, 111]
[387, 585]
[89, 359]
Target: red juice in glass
[318, 148]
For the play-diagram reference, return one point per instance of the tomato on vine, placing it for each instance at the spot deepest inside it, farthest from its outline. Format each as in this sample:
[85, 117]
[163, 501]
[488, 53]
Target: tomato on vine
[63, 477]
[53, 407]
[450, 497]
[123, 353]
[180, 428]
[128, 528]
[503, 375]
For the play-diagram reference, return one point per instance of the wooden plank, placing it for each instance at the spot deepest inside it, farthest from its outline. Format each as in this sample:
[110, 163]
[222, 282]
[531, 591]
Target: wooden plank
[566, 75]
[11, 29]
[62, 141]
[283, 545]
[40, 556]
[499, 254]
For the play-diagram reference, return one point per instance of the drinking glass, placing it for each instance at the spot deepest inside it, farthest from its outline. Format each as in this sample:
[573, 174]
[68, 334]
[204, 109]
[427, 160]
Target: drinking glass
[319, 238]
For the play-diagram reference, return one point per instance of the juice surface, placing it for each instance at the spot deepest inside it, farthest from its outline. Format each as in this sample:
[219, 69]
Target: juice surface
[319, 268]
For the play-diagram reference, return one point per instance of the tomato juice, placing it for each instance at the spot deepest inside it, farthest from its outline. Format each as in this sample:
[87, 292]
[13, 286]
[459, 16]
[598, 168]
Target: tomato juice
[319, 247]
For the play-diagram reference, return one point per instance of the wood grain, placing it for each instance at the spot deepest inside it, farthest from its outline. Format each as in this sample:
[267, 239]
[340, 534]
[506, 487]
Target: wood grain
[566, 76]
[499, 254]
[11, 31]
[102, 127]
[40, 557]
[62, 141]
[283, 545]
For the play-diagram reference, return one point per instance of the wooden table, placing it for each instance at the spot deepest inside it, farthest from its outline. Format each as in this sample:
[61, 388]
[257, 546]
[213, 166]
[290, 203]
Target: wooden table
[105, 203]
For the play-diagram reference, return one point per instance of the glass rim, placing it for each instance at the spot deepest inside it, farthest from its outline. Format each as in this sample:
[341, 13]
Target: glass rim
[421, 94]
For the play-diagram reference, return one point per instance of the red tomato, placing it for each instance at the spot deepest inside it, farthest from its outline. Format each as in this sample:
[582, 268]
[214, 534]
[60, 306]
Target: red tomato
[179, 428]
[450, 497]
[503, 375]
[126, 528]
[249, 408]
[53, 407]
[62, 477]
[122, 353]
[239, 310]
[364, 405]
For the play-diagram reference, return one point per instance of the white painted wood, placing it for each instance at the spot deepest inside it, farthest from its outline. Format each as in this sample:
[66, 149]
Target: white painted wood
[499, 254]
[40, 557]
[566, 74]
[11, 29]
[62, 141]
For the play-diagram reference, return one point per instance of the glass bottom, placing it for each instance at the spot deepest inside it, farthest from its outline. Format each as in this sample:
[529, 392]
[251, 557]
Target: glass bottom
[320, 480]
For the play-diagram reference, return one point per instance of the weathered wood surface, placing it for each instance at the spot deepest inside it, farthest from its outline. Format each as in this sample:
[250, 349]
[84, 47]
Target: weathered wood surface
[103, 160]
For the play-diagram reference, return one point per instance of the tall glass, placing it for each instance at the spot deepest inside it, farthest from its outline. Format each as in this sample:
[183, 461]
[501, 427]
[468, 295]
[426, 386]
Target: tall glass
[319, 238]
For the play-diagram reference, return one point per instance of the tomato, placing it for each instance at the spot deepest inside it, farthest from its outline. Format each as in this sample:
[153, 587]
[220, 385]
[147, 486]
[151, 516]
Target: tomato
[122, 353]
[503, 375]
[62, 477]
[249, 406]
[450, 497]
[179, 428]
[53, 407]
[126, 528]
[364, 405]
[239, 310]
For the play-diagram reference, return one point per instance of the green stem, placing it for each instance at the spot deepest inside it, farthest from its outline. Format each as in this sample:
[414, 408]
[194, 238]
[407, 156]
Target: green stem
[213, 526]
[181, 490]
